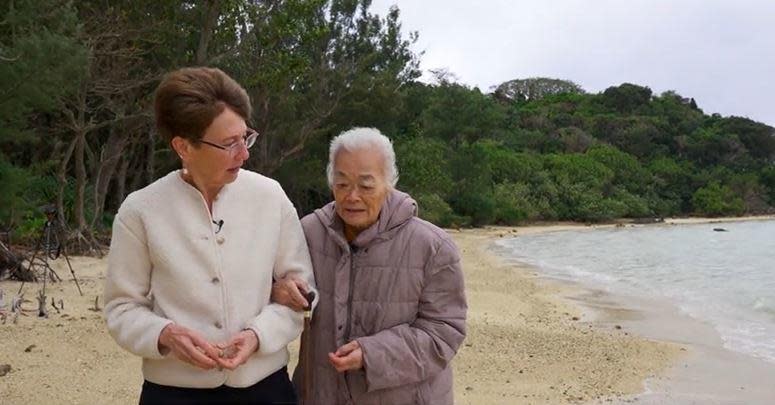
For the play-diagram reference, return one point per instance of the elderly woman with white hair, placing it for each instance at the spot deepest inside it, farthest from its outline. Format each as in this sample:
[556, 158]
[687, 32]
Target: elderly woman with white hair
[392, 307]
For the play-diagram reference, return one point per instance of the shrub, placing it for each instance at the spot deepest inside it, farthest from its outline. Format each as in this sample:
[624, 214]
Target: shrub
[434, 209]
[716, 199]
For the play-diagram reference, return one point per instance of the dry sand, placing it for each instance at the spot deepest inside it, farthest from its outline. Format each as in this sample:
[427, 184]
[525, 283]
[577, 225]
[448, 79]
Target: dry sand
[527, 342]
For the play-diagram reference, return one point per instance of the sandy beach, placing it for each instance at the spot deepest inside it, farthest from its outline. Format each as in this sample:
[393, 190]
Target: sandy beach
[529, 345]
[530, 340]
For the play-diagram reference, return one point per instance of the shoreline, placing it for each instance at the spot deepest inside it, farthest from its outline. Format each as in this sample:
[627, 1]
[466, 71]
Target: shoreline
[536, 344]
[498, 231]
[705, 373]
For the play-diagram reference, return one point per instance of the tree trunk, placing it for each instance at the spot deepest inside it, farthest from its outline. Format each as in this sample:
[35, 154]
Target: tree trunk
[212, 12]
[62, 182]
[80, 164]
[121, 179]
[138, 174]
[109, 157]
[80, 181]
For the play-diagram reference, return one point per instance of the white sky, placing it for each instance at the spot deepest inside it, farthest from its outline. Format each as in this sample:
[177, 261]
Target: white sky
[721, 52]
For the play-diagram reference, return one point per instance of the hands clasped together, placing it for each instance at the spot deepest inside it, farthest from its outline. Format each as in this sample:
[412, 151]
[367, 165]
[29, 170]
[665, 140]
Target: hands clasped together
[288, 291]
[190, 347]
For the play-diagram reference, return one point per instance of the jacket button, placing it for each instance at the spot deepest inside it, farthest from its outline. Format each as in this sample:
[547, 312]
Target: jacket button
[218, 325]
[340, 327]
[215, 280]
[220, 240]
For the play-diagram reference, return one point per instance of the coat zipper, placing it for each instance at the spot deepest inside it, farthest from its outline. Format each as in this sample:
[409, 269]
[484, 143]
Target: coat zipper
[348, 326]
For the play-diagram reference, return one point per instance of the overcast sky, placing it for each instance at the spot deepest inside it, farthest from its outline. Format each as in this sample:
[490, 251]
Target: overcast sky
[720, 52]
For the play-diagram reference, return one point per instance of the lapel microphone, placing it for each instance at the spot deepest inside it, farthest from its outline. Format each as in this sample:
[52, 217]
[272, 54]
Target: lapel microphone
[218, 223]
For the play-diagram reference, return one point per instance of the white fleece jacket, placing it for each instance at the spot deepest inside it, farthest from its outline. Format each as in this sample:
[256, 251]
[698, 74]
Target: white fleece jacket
[168, 264]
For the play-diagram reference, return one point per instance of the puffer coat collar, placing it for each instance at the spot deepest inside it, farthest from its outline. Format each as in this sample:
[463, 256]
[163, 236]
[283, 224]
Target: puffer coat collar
[396, 211]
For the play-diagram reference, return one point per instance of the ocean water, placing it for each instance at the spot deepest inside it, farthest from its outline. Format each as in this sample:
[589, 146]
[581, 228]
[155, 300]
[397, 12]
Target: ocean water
[724, 278]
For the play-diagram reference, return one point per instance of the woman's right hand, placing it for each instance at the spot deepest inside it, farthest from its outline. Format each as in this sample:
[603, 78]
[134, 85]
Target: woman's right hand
[289, 291]
[188, 346]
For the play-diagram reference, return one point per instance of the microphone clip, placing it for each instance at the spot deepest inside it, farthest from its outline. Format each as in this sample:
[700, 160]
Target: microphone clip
[219, 224]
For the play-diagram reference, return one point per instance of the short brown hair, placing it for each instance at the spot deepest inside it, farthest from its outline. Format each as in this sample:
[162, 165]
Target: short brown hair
[188, 100]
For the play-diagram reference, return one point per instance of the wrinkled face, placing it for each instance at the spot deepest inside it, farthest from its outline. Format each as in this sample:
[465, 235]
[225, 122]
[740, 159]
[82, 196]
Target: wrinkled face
[360, 187]
[208, 165]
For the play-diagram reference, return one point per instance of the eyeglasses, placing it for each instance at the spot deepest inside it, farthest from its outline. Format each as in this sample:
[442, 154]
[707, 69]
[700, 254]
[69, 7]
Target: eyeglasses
[233, 148]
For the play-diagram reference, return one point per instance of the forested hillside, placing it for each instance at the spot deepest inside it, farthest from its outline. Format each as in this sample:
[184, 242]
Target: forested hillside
[76, 129]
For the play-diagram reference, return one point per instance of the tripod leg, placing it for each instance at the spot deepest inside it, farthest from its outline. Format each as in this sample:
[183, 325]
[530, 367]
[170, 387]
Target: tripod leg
[46, 249]
[53, 276]
[67, 259]
[63, 249]
[46, 268]
[32, 261]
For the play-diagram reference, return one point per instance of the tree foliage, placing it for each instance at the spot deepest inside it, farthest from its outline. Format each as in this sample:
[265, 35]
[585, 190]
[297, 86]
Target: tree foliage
[536, 88]
[76, 129]
[716, 199]
[41, 61]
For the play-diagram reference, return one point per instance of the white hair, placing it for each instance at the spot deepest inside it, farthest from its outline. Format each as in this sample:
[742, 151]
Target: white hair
[359, 139]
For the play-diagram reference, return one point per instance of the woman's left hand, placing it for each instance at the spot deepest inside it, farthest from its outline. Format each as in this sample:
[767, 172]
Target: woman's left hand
[347, 357]
[236, 351]
[289, 291]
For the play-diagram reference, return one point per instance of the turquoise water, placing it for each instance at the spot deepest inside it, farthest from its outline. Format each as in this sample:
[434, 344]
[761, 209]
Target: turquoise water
[724, 278]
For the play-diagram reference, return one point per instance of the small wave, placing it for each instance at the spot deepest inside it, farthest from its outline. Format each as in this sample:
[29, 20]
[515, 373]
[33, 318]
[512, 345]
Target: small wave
[727, 285]
[764, 306]
[751, 338]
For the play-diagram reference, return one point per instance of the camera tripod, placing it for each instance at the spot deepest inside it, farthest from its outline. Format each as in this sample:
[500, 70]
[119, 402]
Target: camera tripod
[51, 247]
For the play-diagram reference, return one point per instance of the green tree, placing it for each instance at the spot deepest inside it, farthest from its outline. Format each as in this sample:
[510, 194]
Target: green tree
[14, 181]
[423, 166]
[748, 187]
[535, 88]
[716, 199]
[472, 195]
[674, 116]
[581, 182]
[628, 172]
[626, 98]
[434, 209]
[768, 181]
[458, 114]
[315, 67]
[533, 140]
[758, 138]
[673, 185]
[514, 203]
[709, 146]
[40, 61]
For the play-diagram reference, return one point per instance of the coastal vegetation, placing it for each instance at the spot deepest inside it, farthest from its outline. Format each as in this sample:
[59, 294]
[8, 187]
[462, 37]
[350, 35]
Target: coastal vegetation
[76, 127]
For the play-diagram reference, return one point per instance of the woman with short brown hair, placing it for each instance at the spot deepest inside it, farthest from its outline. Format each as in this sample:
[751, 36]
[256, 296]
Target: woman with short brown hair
[194, 254]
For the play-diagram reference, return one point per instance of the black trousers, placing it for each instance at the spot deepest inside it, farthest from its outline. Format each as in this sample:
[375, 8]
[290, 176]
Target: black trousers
[276, 389]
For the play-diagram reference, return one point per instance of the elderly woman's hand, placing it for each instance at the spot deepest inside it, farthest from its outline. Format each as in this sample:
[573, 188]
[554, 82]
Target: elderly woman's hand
[188, 346]
[289, 291]
[347, 357]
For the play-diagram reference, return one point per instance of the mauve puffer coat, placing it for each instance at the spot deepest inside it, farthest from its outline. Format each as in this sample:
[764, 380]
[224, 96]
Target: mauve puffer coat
[398, 290]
